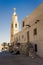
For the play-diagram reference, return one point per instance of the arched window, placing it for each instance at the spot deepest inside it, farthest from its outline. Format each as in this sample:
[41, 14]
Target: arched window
[15, 25]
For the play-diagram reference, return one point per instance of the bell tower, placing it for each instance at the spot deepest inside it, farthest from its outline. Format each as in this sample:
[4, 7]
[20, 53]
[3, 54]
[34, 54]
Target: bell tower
[14, 26]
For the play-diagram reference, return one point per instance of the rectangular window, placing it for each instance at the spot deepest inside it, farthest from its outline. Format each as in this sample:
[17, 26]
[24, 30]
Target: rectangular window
[35, 31]
[37, 20]
[23, 23]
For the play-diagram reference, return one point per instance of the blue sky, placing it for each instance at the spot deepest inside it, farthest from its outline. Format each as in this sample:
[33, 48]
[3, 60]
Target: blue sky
[23, 8]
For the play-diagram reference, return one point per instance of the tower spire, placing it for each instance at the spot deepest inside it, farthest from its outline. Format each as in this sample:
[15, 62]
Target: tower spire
[14, 11]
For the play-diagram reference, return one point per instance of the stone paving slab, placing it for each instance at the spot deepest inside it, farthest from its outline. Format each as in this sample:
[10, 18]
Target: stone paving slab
[9, 59]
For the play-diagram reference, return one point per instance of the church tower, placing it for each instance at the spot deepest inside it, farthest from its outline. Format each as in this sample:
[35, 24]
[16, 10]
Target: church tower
[14, 26]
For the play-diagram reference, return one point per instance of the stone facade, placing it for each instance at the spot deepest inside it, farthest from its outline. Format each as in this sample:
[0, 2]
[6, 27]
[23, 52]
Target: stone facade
[32, 30]
[1, 47]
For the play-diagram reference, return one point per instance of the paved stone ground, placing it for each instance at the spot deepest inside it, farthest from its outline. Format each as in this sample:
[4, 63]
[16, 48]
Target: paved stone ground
[9, 59]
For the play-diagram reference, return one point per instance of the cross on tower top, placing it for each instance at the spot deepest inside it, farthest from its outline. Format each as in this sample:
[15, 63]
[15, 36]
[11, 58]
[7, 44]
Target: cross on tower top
[14, 9]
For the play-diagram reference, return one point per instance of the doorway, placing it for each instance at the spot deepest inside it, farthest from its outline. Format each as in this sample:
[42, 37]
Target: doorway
[35, 47]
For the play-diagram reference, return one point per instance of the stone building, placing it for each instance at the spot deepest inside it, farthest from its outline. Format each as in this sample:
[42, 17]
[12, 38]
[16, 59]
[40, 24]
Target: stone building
[32, 30]
[1, 47]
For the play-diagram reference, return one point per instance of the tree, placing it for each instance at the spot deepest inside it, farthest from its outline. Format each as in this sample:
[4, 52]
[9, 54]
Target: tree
[4, 44]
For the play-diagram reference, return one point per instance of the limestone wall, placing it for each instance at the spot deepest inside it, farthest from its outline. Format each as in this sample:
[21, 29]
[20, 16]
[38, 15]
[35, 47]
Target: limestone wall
[35, 20]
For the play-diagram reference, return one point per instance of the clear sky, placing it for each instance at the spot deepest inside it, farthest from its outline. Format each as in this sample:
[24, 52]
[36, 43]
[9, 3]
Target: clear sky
[23, 8]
